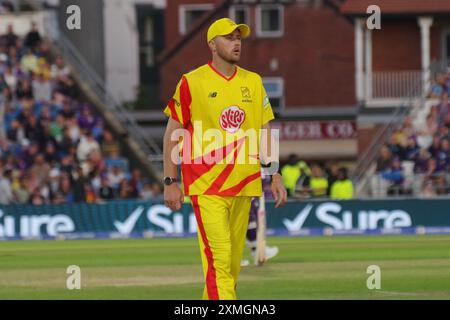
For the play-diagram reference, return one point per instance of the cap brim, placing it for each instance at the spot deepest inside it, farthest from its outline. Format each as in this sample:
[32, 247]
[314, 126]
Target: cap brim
[243, 28]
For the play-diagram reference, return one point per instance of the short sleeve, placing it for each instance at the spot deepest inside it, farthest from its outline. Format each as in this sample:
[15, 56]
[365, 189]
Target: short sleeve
[267, 113]
[179, 105]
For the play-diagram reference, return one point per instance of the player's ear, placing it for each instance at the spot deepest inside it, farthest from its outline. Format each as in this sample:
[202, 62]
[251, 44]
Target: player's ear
[212, 46]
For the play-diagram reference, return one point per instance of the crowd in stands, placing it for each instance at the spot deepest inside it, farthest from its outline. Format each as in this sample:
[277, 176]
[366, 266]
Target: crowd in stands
[316, 181]
[53, 147]
[416, 159]
[6, 7]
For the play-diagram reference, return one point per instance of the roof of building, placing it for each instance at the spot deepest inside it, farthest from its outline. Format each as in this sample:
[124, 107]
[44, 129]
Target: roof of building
[357, 7]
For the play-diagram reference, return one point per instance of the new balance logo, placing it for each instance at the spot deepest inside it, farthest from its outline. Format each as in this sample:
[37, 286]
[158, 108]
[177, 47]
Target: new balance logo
[212, 94]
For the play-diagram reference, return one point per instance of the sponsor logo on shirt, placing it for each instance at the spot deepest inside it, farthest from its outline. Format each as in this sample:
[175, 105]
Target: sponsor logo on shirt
[246, 96]
[232, 118]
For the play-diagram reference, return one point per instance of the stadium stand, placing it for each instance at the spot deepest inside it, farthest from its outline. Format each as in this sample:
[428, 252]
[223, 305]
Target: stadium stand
[416, 159]
[53, 147]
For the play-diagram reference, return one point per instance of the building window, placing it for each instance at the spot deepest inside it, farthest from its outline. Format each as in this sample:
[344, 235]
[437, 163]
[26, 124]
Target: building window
[190, 13]
[240, 14]
[269, 20]
[274, 88]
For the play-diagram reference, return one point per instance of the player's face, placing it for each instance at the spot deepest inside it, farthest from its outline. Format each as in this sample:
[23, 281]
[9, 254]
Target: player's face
[229, 47]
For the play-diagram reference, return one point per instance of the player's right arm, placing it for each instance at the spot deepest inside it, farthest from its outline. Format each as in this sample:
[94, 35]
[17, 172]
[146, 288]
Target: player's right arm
[178, 111]
[173, 196]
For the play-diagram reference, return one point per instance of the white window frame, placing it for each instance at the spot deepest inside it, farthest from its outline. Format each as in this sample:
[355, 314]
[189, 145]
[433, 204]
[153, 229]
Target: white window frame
[269, 34]
[232, 12]
[182, 9]
[445, 33]
[280, 92]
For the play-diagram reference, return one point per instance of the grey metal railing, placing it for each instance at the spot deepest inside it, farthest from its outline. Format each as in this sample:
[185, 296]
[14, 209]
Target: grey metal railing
[413, 185]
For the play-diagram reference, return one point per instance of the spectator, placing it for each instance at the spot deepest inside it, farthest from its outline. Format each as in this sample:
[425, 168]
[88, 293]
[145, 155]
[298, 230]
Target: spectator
[318, 184]
[90, 194]
[395, 147]
[342, 188]
[34, 130]
[16, 132]
[443, 108]
[331, 170]
[21, 193]
[290, 173]
[42, 89]
[426, 132]
[428, 190]
[412, 150]
[146, 193]
[435, 176]
[59, 70]
[10, 38]
[10, 78]
[24, 89]
[54, 180]
[136, 183]
[87, 145]
[36, 198]
[105, 192]
[50, 153]
[87, 120]
[157, 191]
[67, 110]
[110, 146]
[115, 176]
[29, 62]
[395, 176]
[407, 130]
[421, 164]
[40, 168]
[116, 161]
[6, 194]
[125, 190]
[435, 146]
[440, 86]
[57, 128]
[74, 130]
[385, 159]
[6, 7]
[79, 185]
[66, 188]
[33, 38]
[443, 156]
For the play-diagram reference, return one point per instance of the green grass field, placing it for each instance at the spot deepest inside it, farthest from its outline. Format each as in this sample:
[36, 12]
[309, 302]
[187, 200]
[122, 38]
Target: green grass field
[412, 267]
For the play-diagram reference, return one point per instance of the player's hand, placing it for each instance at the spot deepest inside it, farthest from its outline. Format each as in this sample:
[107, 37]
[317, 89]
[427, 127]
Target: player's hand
[278, 190]
[173, 197]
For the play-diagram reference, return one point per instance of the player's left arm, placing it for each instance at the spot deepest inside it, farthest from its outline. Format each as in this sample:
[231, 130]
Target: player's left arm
[269, 155]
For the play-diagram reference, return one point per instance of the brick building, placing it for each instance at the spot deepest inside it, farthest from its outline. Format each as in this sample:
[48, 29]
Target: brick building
[310, 72]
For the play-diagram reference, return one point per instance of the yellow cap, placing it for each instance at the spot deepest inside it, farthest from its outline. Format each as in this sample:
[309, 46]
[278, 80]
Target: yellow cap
[226, 26]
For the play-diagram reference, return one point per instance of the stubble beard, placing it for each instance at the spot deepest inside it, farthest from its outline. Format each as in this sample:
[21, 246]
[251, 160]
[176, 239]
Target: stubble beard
[229, 58]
